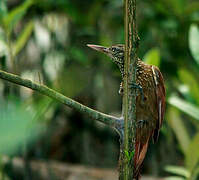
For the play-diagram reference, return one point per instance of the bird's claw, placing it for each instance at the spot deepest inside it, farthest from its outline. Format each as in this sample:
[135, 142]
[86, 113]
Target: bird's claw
[121, 90]
[120, 129]
[136, 86]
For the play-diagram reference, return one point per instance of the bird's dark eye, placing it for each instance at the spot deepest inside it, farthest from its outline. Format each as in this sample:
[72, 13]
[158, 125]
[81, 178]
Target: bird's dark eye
[113, 49]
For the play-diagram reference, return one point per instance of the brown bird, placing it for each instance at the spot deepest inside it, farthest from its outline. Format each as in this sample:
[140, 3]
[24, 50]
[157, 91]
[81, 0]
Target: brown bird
[150, 103]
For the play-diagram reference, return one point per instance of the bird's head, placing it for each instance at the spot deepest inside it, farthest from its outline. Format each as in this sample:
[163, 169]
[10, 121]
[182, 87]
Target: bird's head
[115, 52]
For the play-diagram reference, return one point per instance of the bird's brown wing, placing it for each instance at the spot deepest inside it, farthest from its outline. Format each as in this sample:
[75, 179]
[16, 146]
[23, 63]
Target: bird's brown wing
[160, 100]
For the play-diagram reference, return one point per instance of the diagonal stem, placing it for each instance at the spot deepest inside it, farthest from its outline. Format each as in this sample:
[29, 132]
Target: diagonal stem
[44, 90]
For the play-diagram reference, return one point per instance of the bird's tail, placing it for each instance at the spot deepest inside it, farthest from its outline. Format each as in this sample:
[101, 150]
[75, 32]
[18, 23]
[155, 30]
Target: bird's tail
[140, 152]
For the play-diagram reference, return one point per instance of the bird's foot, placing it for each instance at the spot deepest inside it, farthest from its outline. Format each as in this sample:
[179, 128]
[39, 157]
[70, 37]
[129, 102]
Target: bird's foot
[120, 129]
[121, 90]
[136, 86]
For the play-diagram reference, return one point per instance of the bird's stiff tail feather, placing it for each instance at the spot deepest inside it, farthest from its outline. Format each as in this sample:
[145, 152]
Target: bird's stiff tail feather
[140, 152]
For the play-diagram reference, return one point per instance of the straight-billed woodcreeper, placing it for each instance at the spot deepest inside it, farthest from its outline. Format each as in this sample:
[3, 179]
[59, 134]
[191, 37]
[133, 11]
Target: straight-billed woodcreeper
[150, 102]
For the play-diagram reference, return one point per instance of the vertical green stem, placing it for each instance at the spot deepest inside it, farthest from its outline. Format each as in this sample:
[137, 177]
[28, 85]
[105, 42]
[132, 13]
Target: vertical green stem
[125, 98]
[129, 98]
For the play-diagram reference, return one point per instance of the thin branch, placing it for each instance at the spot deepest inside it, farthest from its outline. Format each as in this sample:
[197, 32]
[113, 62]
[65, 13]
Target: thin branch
[104, 118]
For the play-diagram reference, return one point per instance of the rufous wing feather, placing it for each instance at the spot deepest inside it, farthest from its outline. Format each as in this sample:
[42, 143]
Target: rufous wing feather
[160, 100]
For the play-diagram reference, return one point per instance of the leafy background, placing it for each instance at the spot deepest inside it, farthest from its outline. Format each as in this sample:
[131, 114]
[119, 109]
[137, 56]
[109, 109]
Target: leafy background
[45, 40]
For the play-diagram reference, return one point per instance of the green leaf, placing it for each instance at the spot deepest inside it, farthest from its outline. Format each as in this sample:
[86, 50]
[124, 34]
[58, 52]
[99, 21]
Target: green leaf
[3, 9]
[192, 155]
[179, 128]
[184, 106]
[178, 171]
[23, 38]
[174, 178]
[194, 41]
[132, 155]
[153, 57]
[127, 155]
[191, 81]
[14, 16]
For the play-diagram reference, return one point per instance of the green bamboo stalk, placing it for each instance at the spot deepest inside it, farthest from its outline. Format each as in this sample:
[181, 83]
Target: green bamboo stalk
[129, 98]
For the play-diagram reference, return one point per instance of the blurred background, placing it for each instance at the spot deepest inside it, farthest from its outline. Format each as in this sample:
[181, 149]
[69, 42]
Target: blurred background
[45, 41]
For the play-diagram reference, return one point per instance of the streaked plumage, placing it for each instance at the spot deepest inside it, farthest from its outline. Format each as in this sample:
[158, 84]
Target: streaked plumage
[149, 109]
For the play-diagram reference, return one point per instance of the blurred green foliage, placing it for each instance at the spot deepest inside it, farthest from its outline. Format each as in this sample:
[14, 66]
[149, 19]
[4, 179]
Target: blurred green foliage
[194, 41]
[45, 40]
[19, 122]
